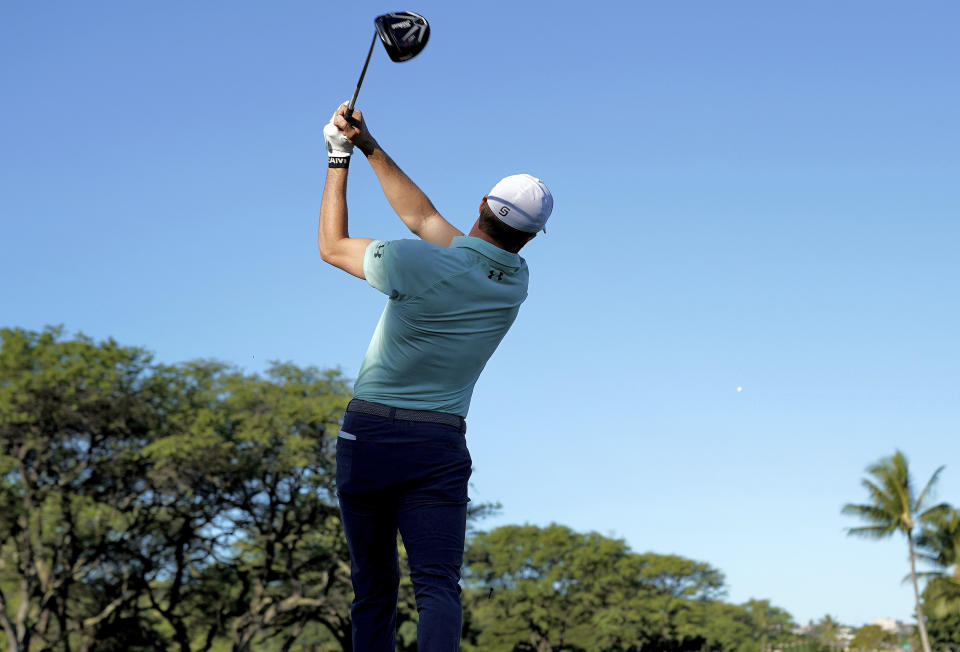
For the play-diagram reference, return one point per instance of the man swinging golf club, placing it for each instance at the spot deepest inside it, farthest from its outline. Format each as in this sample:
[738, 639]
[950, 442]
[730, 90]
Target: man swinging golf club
[402, 459]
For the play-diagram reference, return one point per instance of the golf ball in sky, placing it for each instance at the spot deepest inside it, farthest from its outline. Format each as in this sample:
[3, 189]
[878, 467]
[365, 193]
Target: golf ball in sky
[739, 389]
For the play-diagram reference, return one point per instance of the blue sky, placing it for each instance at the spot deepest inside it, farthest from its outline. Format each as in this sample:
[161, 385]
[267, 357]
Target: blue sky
[747, 194]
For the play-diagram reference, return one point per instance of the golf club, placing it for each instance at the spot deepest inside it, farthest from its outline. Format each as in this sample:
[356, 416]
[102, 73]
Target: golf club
[404, 34]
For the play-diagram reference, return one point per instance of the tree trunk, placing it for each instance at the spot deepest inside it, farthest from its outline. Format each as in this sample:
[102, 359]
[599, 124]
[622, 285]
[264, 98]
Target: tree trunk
[292, 637]
[12, 643]
[921, 621]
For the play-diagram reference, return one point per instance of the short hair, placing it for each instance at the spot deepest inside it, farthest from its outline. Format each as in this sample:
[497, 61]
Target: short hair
[512, 239]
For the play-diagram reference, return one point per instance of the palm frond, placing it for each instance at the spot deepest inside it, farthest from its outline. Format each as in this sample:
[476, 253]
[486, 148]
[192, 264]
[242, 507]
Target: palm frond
[872, 532]
[869, 513]
[935, 513]
[891, 483]
[875, 492]
[918, 505]
[939, 539]
[927, 557]
[943, 594]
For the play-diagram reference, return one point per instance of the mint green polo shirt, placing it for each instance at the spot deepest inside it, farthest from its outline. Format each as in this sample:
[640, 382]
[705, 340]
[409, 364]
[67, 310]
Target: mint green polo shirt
[448, 310]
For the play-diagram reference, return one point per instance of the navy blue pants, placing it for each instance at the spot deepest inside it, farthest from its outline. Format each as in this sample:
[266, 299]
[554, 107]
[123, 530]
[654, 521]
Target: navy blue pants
[407, 477]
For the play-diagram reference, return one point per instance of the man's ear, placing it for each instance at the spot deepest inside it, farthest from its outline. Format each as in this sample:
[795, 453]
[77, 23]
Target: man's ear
[482, 202]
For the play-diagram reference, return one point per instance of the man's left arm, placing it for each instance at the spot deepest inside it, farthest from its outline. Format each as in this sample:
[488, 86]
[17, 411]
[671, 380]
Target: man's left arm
[336, 245]
[410, 203]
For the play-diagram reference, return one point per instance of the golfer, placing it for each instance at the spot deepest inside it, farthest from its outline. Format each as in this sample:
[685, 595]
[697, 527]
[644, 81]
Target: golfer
[402, 459]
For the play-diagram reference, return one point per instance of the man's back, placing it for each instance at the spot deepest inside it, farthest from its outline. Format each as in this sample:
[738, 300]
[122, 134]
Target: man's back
[449, 309]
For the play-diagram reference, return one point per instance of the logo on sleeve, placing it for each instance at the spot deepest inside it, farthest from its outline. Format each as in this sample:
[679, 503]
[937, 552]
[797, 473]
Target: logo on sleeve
[495, 276]
[379, 252]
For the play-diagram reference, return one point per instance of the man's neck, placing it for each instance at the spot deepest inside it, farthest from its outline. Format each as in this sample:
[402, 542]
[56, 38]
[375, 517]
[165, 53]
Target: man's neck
[475, 232]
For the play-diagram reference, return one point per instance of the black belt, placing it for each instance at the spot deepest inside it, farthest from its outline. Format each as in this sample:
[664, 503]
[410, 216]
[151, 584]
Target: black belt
[420, 416]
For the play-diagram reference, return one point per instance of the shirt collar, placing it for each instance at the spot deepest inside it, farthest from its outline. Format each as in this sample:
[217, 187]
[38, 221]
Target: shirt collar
[488, 250]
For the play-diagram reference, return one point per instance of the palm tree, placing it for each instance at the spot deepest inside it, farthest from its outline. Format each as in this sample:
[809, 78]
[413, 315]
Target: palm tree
[827, 632]
[895, 507]
[939, 545]
[770, 624]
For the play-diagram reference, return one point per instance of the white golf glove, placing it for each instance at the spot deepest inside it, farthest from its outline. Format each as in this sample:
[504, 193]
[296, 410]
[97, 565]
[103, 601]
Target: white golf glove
[339, 148]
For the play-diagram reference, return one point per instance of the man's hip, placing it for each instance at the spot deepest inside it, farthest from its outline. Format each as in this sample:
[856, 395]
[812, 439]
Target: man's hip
[418, 460]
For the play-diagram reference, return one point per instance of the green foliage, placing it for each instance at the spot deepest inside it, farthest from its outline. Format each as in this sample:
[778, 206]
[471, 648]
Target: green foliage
[939, 546]
[894, 505]
[944, 631]
[873, 637]
[769, 625]
[546, 586]
[531, 588]
[70, 436]
[827, 632]
[164, 507]
[259, 477]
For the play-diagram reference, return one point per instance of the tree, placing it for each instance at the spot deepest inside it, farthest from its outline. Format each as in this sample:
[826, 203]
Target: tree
[535, 599]
[894, 506]
[541, 589]
[944, 630]
[871, 638]
[71, 427]
[939, 545]
[261, 455]
[674, 593]
[827, 632]
[769, 625]
[156, 507]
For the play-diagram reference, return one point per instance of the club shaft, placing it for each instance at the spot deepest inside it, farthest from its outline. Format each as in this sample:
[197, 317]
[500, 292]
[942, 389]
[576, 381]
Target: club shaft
[353, 100]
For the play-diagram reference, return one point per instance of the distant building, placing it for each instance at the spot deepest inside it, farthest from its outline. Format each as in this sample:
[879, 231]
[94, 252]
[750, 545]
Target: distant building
[845, 635]
[893, 626]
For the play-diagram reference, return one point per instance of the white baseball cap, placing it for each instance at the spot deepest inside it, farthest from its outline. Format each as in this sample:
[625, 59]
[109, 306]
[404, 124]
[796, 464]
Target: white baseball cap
[521, 201]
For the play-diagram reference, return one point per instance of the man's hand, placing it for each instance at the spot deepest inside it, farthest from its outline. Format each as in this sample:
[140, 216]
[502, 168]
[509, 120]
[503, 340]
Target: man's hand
[339, 148]
[357, 133]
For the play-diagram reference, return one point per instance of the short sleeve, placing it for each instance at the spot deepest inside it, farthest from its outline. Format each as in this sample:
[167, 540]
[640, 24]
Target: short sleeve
[399, 268]
[375, 267]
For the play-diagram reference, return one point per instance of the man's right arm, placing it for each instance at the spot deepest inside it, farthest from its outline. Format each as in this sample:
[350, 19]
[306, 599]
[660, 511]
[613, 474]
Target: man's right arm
[408, 201]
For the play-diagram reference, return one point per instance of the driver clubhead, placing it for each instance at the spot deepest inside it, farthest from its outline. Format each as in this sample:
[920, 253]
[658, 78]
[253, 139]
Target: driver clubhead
[404, 34]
